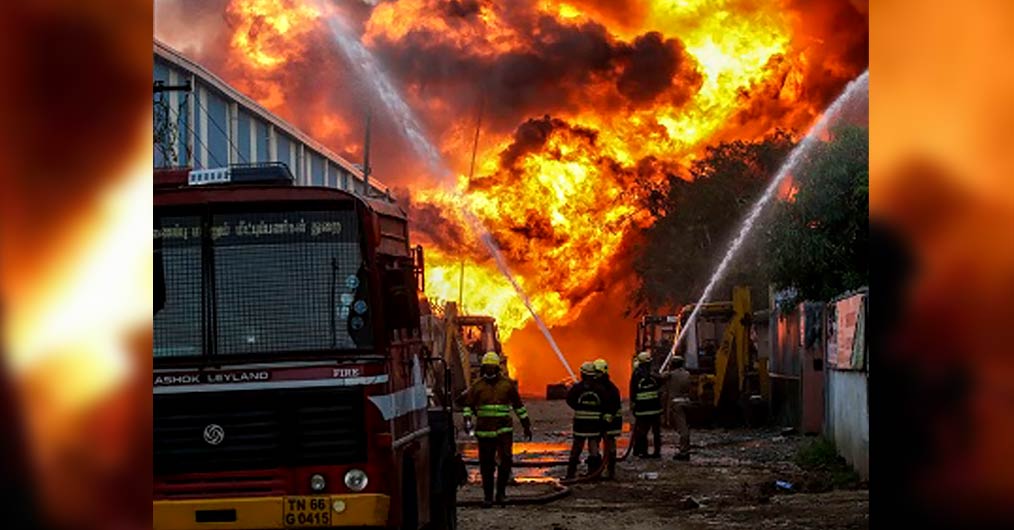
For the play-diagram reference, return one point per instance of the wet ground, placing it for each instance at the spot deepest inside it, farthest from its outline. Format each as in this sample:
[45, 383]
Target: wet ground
[728, 483]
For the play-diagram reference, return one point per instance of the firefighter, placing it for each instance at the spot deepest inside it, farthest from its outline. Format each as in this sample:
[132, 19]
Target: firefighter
[647, 407]
[679, 385]
[585, 397]
[492, 398]
[612, 416]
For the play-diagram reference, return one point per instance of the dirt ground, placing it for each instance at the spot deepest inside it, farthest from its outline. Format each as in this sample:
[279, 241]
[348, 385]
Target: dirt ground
[728, 483]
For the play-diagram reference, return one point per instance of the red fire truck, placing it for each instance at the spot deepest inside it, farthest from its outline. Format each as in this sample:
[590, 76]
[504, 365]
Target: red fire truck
[291, 386]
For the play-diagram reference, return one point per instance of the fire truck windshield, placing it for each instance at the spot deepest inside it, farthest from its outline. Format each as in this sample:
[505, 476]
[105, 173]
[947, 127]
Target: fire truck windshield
[259, 283]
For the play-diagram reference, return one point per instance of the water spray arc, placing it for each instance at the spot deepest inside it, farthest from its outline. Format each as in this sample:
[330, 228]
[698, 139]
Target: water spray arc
[410, 128]
[854, 87]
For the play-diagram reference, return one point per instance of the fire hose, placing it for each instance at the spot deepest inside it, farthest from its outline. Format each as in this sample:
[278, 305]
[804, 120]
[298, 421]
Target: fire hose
[557, 463]
[605, 462]
[559, 491]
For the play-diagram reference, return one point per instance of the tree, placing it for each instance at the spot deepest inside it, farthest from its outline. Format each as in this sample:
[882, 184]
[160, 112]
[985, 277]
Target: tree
[818, 239]
[696, 220]
[166, 134]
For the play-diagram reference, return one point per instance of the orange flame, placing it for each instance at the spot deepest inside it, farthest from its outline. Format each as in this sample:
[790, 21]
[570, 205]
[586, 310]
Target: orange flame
[578, 191]
[564, 201]
[561, 213]
[270, 32]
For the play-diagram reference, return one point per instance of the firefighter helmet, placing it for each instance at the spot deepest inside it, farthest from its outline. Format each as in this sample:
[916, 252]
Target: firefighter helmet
[644, 357]
[601, 365]
[491, 358]
[587, 368]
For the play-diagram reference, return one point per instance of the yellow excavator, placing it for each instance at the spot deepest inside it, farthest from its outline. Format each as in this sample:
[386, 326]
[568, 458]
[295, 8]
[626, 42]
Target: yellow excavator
[461, 340]
[730, 380]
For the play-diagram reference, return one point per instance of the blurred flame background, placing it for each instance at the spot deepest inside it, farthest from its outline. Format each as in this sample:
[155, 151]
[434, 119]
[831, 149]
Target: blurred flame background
[940, 174]
[76, 264]
[583, 106]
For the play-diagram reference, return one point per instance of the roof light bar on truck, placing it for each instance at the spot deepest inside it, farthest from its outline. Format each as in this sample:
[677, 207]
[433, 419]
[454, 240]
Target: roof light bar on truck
[256, 173]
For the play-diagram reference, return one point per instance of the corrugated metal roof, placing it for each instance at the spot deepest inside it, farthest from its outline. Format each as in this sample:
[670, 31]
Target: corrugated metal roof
[177, 59]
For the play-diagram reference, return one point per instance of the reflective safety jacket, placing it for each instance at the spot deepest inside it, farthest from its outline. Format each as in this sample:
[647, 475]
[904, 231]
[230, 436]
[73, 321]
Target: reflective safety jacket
[585, 397]
[644, 393]
[492, 402]
[612, 407]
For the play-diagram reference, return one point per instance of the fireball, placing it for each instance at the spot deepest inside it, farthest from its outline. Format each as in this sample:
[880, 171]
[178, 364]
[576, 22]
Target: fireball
[269, 32]
[586, 106]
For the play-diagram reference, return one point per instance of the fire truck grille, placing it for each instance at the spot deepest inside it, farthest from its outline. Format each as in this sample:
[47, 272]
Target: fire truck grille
[264, 483]
[243, 430]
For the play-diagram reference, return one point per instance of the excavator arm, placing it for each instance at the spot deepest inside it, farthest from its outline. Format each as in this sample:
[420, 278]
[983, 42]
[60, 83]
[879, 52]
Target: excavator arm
[733, 354]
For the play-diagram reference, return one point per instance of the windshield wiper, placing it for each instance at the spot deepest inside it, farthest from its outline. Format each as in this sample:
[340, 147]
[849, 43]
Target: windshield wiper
[333, 308]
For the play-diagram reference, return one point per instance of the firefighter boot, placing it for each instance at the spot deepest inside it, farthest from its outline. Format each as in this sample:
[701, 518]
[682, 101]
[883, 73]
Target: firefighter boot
[594, 463]
[501, 489]
[610, 473]
[572, 468]
[487, 490]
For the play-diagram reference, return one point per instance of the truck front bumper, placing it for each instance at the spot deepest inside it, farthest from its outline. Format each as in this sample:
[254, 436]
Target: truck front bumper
[255, 513]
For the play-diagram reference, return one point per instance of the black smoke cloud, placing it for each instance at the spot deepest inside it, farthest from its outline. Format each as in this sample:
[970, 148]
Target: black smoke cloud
[521, 234]
[430, 219]
[461, 8]
[533, 134]
[651, 65]
[834, 39]
[559, 67]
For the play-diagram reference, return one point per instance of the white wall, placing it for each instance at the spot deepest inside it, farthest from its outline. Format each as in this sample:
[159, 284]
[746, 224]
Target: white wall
[848, 417]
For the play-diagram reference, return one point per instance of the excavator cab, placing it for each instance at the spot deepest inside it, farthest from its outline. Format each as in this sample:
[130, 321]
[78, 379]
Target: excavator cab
[656, 333]
[461, 341]
[729, 379]
[479, 335]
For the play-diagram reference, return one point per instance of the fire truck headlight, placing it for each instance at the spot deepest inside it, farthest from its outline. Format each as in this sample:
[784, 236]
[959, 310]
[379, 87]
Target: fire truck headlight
[359, 306]
[317, 483]
[356, 480]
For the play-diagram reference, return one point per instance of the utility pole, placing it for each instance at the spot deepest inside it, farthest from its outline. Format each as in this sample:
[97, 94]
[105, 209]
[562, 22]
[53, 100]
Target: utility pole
[461, 286]
[471, 171]
[475, 141]
[366, 153]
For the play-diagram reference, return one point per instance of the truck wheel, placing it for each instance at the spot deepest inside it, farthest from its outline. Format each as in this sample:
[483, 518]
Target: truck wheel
[409, 497]
[451, 511]
[444, 484]
[444, 512]
[450, 493]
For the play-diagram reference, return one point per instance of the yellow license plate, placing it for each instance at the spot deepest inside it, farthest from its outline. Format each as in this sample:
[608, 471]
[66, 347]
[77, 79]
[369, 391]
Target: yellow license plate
[306, 512]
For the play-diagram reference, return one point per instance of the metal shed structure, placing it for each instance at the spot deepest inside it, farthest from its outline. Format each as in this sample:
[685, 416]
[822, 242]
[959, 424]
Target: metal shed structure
[211, 124]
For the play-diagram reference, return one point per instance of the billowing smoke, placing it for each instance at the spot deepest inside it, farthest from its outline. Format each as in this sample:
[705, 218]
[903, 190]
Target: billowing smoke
[555, 67]
[582, 107]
